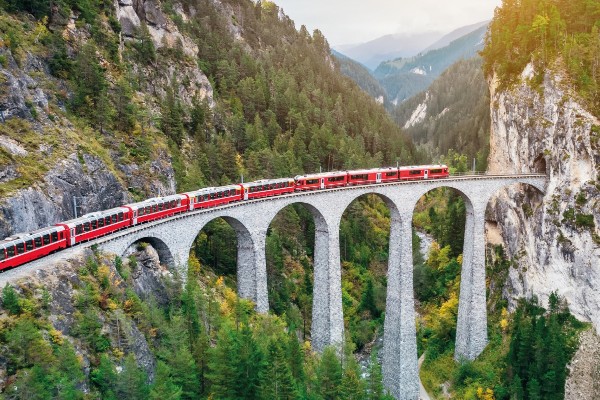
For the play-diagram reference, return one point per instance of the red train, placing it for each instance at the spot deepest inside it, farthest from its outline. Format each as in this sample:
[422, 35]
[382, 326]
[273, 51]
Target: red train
[22, 248]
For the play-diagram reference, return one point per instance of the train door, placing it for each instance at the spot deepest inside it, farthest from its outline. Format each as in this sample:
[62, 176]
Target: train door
[246, 190]
[135, 214]
[72, 237]
[378, 177]
[322, 183]
[425, 174]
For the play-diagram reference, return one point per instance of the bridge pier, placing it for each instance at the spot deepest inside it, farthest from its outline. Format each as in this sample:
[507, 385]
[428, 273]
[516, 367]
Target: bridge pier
[471, 326]
[327, 315]
[400, 361]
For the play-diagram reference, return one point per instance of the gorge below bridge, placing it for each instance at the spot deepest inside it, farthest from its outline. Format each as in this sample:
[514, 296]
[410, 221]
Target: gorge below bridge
[174, 237]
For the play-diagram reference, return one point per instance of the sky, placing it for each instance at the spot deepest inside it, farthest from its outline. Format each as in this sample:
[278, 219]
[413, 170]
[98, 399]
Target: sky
[359, 21]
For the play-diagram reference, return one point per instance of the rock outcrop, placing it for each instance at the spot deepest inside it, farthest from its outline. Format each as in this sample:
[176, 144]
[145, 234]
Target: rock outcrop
[583, 382]
[554, 240]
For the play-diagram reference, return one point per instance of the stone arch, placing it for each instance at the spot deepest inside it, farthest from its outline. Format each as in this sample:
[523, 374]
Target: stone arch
[246, 255]
[165, 254]
[539, 164]
[327, 327]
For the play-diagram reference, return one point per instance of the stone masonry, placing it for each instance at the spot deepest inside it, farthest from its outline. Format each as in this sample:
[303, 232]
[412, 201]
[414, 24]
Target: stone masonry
[174, 237]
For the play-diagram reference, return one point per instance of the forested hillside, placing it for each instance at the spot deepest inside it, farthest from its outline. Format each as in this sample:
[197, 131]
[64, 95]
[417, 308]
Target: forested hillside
[452, 114]
[558, 34]
[362, 77]
[405, 77]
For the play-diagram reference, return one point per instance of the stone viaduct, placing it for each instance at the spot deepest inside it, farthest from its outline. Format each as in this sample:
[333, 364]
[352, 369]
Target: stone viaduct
[174, 237]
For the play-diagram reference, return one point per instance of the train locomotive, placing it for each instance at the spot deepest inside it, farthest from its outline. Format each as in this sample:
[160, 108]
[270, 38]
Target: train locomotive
[21, 248]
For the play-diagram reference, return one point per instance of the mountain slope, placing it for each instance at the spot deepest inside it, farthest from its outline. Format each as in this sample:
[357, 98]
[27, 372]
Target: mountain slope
[404, 77]
[388, 47]
[160, 98]
[361, 76]
[452, 114]
[455, 34]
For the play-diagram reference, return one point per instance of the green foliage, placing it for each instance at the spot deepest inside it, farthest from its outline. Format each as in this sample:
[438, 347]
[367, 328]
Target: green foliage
[10, 300]
[546, 32]
[458, 103]
[541, 346]
[330, 375]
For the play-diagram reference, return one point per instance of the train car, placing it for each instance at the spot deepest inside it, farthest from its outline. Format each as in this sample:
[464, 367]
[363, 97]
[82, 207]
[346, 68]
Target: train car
[268, 187]
[423, 172]
[324, 180]
[158, 207]
[374, 175]
[22, 248]
[94, 225]
[214, 196]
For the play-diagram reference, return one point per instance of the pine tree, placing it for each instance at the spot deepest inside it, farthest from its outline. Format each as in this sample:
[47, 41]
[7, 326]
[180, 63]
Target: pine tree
[352, 386]
[277, 381]
[164, 387]
[375, 388]
[329, 374]
[184, 373]
[104, 377]
[10, 300]
[131, 382]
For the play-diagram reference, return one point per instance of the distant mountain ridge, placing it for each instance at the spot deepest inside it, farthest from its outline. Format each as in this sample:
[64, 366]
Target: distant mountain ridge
[404, 77]
[455, 34]
[388, 47]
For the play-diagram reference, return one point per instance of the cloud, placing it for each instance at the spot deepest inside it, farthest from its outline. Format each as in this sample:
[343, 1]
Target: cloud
[357, 21]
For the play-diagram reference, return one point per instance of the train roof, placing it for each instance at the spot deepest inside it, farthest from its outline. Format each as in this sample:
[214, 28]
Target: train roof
[156, 200]
[370, 170]
[212, 189]
[20, 237]
[265, 181]
[424, 166]
[94, 215]
[321, 174]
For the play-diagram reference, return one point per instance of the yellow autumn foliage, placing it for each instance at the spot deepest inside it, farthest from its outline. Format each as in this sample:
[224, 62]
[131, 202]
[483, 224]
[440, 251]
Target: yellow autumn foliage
[487, 394]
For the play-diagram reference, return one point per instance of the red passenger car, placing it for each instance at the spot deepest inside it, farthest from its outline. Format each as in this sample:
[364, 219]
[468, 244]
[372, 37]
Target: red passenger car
[97, 224]
[214, 196]
[22, 248]
[324, 180]
[268, 187]
[158, 207]
[424, 172]
[375, 175]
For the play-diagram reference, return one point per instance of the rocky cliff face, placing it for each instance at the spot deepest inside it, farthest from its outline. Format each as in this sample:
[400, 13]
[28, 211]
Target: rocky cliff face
[31, 95]
[66, 282]
[554, 239]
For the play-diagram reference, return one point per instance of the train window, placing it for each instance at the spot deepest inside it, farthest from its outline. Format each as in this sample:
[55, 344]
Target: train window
[38, 241]
[312, 181]
[29, 245]
[20, 248]
[106, 221]
[120, 216]
[160, 207]
[148, 210]
[2, 254]
[435, 171]
[100, 222]
[335, 179]
[78, 229]
[415, 172]
[10, 251]
[86, 226]
[94, 224]
[175, 203]
[114, 218]
[46, 239]
[54, 236]
[391, 173]
[360, 176]
[141, 211]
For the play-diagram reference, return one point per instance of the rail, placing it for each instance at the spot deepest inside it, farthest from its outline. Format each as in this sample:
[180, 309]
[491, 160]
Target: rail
[145, 226]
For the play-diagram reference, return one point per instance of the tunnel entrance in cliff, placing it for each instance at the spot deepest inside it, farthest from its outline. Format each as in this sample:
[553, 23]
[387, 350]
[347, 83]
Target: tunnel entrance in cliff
[539, 164]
